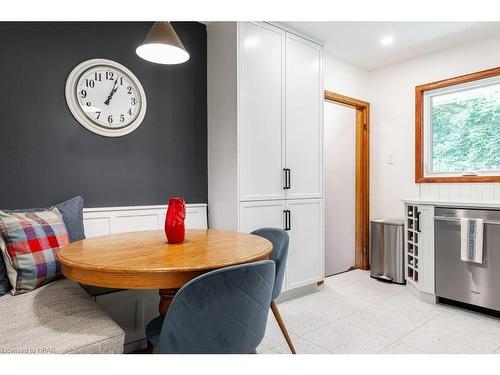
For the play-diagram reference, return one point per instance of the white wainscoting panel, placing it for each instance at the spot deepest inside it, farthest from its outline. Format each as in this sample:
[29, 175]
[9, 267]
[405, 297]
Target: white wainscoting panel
[482, 192]
[108, 220]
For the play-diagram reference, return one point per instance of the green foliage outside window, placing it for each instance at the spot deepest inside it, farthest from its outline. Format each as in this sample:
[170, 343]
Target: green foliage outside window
[466, 132]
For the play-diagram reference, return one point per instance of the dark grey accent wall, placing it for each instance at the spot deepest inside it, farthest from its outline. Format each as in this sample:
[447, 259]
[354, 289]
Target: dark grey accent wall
[46, 156]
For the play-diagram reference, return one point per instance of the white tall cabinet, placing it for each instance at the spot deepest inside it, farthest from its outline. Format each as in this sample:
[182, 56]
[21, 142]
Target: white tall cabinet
[265, 132]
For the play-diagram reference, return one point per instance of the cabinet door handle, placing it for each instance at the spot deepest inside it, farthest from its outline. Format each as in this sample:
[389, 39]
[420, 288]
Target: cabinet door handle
[287, 219]
[287, 178]
[418, 221]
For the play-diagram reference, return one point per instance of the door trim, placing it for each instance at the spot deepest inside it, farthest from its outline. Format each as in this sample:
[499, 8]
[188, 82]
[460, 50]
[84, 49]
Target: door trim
[362, 194]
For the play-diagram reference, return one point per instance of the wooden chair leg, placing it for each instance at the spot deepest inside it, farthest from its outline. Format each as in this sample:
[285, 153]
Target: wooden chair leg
[281, 323]
[150, 348]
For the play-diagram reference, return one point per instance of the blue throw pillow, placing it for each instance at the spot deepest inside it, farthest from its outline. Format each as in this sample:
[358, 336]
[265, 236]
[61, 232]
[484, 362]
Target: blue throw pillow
[72, 213]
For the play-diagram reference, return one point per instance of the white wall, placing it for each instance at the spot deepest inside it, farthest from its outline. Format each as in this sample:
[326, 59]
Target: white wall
[344, 78]
[392, 98]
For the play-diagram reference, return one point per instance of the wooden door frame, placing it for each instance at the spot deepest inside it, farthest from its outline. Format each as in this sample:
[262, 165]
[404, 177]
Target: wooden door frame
[362, 193]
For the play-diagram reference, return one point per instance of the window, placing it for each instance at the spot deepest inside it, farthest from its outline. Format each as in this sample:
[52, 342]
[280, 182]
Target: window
[457, 135]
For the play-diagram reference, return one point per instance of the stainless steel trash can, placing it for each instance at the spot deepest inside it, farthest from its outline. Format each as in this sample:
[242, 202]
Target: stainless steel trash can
[387, 254]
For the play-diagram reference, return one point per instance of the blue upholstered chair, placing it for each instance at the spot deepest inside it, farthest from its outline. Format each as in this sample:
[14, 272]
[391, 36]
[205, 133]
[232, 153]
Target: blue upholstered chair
[220, 312]
[279, 238]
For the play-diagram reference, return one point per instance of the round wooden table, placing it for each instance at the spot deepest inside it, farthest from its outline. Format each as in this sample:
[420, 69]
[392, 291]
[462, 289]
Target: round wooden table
[144, 260]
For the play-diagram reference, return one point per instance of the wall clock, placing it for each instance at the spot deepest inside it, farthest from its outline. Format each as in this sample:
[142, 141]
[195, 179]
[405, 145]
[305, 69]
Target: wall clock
[105, 97]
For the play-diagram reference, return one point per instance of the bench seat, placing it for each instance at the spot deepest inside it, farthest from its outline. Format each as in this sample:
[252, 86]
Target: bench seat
[57, 318]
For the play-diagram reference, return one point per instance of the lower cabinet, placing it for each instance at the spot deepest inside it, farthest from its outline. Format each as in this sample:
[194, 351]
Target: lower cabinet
[305, 263]
[132, 310]
[419, 247]
[303, 219]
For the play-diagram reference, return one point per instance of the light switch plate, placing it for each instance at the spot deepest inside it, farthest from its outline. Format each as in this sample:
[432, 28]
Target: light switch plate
[391, 159]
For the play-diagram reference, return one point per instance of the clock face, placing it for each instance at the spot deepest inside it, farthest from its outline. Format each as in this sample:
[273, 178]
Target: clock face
[108, 97]
[105, 97]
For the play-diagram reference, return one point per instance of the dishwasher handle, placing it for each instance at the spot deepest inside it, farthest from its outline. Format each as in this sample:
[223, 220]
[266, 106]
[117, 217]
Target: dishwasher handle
[457, 220]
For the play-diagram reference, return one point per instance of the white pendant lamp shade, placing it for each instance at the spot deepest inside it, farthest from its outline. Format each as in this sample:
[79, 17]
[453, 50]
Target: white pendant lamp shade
[162, 45]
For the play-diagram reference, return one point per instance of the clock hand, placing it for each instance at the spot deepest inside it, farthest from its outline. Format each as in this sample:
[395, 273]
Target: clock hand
[113, 90]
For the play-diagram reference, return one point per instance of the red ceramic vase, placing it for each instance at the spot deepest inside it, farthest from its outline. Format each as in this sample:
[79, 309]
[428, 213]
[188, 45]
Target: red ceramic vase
[174, 221]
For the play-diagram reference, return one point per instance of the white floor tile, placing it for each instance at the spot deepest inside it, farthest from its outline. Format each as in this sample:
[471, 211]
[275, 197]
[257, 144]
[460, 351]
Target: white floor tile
[300, 318]
[394, 317]
[340, 337]
[301, 347]
[456, 333]
[400, 348]
[330, 303]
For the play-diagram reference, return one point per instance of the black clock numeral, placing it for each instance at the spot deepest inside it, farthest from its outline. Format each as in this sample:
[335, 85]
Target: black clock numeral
[132, 101]
[110, 75]
[98, 114]
[129, 89]
[121, 81]
[89, 83]
[98, 76]
[83, 93]
[122, 118]
[110, 119]
[130, 111]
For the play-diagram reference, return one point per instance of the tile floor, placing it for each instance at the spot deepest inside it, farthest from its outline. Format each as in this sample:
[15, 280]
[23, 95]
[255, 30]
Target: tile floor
[353, 313]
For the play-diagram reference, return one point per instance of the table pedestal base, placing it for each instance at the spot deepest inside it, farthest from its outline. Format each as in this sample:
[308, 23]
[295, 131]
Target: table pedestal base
[166, 297]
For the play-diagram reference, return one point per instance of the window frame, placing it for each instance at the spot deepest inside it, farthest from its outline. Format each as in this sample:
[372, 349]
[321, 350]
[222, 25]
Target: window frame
[423, 137]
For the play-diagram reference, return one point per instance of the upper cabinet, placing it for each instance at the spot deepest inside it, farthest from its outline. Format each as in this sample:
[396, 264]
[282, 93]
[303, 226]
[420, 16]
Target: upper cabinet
[304, 126]
[261, 111]
[279, 114]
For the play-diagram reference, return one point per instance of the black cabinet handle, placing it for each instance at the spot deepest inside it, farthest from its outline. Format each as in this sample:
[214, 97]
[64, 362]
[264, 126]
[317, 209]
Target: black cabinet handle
[417, 219]
[287, 178]
[287, 219]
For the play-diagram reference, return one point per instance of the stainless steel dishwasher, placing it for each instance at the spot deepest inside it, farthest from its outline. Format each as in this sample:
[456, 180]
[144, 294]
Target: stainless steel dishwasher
[473, 283]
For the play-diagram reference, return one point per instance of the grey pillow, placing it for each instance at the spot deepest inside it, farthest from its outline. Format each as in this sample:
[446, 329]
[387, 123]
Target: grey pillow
[72, 213]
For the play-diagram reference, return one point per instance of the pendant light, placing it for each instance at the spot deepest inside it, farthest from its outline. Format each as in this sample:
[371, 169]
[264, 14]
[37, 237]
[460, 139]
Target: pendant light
[162, 45]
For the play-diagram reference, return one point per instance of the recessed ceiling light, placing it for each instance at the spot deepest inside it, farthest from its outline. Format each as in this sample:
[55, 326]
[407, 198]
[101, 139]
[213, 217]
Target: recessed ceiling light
[387, 40]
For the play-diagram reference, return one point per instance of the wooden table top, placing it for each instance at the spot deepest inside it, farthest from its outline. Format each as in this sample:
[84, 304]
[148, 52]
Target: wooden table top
[144, 260]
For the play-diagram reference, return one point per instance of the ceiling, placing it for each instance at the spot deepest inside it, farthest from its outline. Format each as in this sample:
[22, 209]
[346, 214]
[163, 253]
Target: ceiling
[360, 43]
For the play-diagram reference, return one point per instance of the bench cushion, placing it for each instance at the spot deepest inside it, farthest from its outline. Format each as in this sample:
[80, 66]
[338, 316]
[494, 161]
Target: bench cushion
[57, 318]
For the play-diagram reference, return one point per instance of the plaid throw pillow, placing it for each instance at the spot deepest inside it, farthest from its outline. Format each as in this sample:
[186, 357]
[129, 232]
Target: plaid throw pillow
[29, 242]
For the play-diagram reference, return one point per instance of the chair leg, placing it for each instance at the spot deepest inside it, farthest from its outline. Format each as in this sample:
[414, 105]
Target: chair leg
[150, 348]
[281, 323]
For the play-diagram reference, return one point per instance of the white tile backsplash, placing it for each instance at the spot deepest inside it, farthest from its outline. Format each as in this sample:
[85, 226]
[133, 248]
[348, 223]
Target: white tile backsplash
[483, 192]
